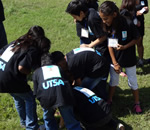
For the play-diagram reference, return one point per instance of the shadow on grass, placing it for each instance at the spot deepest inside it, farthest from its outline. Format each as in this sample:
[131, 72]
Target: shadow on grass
[123, 102]
[143, 70]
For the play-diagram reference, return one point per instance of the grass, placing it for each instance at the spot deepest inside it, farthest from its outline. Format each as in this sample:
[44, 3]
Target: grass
[61, 30]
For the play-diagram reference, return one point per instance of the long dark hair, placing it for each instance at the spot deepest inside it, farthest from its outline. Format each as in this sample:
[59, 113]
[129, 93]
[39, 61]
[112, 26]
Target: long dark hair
[128, 4]
[34, 37]
[109, 8]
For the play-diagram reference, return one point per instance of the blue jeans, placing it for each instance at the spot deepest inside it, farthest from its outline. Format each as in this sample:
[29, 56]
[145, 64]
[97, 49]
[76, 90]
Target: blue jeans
[26, 108]
[67, 113]
[97, 85]
[3, 38]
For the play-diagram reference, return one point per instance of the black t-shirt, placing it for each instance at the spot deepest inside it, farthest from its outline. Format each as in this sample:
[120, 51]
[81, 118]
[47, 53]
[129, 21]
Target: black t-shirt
[128, 32]
[89, 108]
[142, 4]
[93, 23]
[51, 87]
[141, 28]
[2, 17]
[85, 62]
[11, 80]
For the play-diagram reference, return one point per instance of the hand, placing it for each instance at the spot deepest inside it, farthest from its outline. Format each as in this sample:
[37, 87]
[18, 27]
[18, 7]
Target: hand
[117, 68]
[74, 20]
[84, 45]
[146, 9]
[120, 47]
[138, 13]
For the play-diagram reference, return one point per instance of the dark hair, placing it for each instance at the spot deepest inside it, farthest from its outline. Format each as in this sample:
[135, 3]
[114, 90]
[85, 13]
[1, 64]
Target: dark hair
[75, 6]
[91, 1]
[44, 45]
[109, 8]
[32, 38]
[128, 4]
[45, 59]
[57, 56]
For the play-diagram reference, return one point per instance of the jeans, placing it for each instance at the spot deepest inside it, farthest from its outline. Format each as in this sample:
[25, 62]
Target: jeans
[67, 113]
[26, 108]
[97, 85]
[3, 38]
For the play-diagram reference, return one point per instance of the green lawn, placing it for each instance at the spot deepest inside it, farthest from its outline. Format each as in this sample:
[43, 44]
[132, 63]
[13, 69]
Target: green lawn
[61, 30]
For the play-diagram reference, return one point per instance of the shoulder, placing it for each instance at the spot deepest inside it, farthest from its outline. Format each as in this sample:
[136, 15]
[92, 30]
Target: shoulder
[125, 21]
[93, 13]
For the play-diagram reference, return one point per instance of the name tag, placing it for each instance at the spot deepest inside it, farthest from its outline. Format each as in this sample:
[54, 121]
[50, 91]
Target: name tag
[112, 42]
[7, 54]
[78, 50]
[135, 21]
[142, 3]
[85, 91]
[84, 33]
[51, 72]
[124, 35]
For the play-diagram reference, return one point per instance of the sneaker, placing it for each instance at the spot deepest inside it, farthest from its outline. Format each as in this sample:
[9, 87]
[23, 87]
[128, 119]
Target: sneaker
[42, 127]
[137, 109]
[120, 127]
[140, 63]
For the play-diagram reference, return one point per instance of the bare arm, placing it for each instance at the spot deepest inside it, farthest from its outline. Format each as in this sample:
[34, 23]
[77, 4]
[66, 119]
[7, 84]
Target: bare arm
[117, 67]
[94, 43]
[123, 47]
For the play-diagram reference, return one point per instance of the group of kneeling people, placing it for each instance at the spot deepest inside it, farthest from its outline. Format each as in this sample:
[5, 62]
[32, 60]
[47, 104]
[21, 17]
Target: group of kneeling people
[74, 83]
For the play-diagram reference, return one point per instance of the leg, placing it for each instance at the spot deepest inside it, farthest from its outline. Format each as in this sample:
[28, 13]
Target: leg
[31, 115]
[100, 90]
[70, 122]
[140, 49]
[49, 119]
[30, 109]
[132, 82]
[97, 85]
[20, 107]
[114, 81]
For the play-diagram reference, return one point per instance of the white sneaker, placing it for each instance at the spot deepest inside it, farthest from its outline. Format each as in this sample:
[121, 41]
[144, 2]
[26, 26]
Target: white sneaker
[41, 127]
[120, 127]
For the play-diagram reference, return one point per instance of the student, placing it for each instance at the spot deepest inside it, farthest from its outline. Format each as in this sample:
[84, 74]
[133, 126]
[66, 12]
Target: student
[121, 43]
[86, 67]
[91, 26]
[142, 9]
[81, 24]
[3, 38]
[128, 9]
[17, 60]
[54, 91]
[92, 111]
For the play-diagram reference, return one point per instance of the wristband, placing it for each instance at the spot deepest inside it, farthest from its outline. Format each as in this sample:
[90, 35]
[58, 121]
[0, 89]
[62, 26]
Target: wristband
[116, 64]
